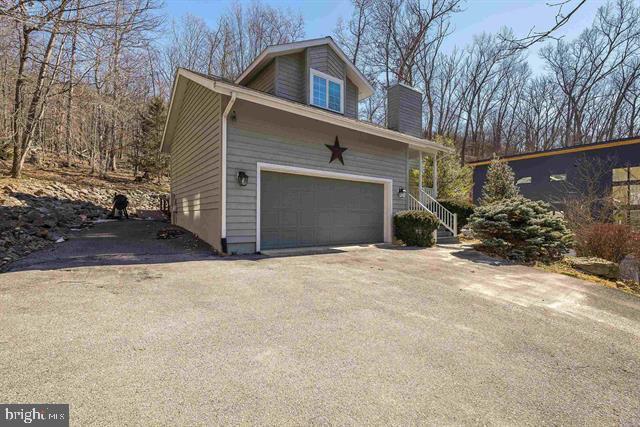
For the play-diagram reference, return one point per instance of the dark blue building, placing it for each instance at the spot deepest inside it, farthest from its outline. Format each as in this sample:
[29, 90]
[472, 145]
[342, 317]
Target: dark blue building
[608, 167]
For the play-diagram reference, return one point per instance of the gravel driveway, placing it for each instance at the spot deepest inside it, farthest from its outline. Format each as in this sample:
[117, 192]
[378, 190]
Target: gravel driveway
[366, 336]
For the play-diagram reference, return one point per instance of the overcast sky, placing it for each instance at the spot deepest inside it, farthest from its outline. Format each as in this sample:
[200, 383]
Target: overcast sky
[489, 16]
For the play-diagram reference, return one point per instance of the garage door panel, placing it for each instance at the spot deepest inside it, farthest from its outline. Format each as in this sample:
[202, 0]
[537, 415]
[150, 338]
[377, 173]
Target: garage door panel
[270, 217]
[325, 218]
[270, 203]
[311, 211]
[307, 198]
[290, 199]
[306, 220]
[288, 217]
[306, 236]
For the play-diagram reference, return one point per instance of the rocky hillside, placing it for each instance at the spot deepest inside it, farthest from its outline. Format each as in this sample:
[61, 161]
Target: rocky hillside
[47, 206]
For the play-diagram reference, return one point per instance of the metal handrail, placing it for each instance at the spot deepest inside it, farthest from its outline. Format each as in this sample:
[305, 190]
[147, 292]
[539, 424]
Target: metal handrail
[447, 218]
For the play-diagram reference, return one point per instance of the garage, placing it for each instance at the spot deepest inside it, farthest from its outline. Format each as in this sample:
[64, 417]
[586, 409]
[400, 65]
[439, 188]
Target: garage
[299, 210]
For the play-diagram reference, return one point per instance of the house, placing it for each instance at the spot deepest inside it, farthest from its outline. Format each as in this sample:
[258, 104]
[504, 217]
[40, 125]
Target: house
[602, 168]
[278, 158]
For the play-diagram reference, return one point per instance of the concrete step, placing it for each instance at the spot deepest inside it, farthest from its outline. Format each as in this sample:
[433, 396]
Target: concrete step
[445, 236]
[448, 240]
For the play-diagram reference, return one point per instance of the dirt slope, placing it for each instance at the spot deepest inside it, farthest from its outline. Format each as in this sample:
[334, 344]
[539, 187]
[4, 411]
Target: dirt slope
[41, 208]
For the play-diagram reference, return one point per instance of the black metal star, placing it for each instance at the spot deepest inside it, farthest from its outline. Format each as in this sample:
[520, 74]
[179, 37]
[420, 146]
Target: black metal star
[336, 151]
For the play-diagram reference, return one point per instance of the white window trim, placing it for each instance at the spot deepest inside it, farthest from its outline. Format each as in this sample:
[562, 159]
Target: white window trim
[314, 72]
[388, 190]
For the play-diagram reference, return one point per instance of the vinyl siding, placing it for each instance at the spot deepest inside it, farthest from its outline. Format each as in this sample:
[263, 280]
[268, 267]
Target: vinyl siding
[404, 110]
[351, 100]
[195, 165]
[261, 134]
[323, 58]
[265, 80]
[290, 77]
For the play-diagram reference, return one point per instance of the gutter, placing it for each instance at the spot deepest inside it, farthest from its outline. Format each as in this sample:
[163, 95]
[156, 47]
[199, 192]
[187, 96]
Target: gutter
[223, 192]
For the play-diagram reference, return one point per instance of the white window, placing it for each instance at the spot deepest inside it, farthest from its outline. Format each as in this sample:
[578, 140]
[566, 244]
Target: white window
[326, 91]
[558, 177]
[524, 180]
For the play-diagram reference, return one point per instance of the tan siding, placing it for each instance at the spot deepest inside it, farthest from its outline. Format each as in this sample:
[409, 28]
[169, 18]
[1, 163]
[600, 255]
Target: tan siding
[195, 165]
[265, 80]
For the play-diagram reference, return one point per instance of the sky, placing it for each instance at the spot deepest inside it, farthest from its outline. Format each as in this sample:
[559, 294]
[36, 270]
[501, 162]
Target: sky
[321, 17]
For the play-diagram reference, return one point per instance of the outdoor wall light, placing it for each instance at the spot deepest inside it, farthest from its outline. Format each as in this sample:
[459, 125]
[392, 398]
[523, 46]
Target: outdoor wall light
[243, 179]
[402, 193]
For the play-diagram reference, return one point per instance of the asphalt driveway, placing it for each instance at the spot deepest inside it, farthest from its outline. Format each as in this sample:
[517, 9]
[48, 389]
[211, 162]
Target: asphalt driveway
[366, 336]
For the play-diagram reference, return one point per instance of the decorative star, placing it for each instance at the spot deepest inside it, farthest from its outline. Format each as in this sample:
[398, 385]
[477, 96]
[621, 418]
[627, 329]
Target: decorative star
[336, 151]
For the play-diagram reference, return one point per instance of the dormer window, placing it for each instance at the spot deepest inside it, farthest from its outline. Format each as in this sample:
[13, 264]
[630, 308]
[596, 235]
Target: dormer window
[326, 91]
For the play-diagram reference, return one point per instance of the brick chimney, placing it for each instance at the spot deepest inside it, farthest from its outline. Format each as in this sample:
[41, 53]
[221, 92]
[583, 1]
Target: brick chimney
[404, 109]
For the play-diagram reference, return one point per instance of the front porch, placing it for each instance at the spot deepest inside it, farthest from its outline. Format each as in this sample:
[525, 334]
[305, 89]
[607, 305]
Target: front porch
[423, 189]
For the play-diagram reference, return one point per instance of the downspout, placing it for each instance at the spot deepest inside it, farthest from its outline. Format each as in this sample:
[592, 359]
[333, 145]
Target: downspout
[223, 234]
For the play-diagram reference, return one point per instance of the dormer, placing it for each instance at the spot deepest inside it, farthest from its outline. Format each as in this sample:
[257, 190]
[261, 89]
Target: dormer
[313, 72]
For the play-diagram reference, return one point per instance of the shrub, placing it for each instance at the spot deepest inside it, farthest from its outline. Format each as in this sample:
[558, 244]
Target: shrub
[461, 208]
[608, 241]
[521, 229]
[500, 183]
[415, 228]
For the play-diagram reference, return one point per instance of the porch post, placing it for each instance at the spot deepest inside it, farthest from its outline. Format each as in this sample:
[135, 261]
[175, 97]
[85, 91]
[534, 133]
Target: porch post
[420, 172]
[435, 174]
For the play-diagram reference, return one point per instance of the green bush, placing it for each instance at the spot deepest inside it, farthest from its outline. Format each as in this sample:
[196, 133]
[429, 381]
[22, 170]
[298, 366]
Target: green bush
[415, 228]
[521, 229]
[500, 183]
[462, 208]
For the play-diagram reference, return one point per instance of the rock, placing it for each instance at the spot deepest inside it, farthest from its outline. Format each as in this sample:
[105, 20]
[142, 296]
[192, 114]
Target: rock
[33, 216]
[50, 222]
[596, 266]
[53, 236]
[630, 269]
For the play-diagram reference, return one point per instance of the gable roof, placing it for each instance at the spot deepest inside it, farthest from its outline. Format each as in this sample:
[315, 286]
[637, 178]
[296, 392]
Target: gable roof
[365, 89]
[563, 150]
[225, 87]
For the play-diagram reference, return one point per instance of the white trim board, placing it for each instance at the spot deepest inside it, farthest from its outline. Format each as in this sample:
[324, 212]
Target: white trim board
[223, 163]
[388, 191]
[312, 73]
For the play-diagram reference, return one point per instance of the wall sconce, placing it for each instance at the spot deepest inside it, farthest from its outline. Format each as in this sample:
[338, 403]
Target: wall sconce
[402, 193]
[243, 179]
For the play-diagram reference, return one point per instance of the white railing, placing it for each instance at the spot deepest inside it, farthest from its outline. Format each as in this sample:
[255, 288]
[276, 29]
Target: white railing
[429, 191]
[427, 202]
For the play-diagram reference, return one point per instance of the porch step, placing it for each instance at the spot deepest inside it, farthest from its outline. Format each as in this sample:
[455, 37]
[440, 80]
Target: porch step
[446, 237]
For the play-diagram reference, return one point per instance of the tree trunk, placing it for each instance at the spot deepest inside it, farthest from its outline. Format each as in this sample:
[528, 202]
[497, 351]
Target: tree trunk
[72, 67]
[16, 168]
